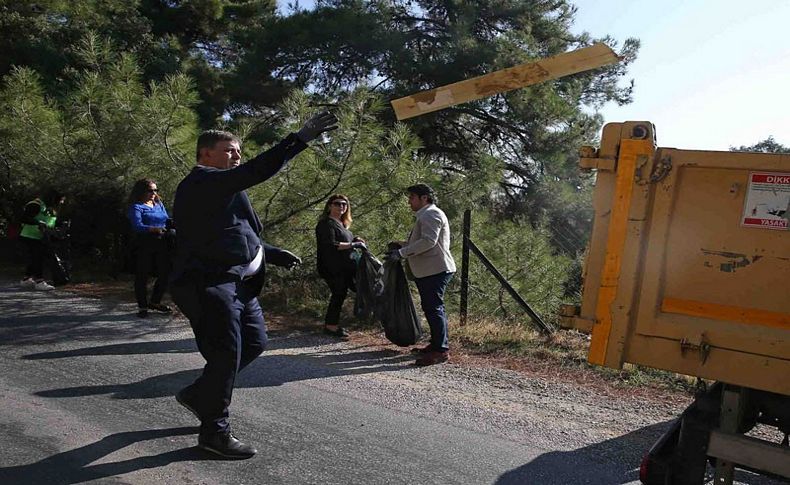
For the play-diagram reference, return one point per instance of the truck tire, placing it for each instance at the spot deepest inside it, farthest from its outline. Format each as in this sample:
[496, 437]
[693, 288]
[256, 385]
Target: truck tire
[690, 460]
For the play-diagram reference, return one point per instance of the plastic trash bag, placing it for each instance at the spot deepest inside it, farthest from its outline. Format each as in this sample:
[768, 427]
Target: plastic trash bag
[57, 247]
[61, 273]
[395, 307]
[368, 283]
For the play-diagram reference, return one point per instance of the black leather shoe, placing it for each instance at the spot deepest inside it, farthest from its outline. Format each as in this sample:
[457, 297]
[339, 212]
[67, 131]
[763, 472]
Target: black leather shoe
[183, 400]
[225, 444]
[340, 332]
[142, 313]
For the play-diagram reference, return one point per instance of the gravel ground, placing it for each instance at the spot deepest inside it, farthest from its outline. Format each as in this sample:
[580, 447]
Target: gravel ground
[601, 422]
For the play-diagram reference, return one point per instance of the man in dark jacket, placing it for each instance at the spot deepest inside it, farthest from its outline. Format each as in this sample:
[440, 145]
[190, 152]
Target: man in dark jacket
[218, 270]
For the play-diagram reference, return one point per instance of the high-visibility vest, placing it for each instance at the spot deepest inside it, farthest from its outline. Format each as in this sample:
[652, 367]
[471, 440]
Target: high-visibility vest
[32, 231]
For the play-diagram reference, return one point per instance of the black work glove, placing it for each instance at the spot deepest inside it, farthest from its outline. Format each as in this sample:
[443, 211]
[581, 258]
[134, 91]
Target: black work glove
[393, 255]
[316, 125]
[290, 260]
[359, 245]
[283, 258]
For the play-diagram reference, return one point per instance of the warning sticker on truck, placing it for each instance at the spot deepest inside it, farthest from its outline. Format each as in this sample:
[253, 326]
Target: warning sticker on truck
[767, 201]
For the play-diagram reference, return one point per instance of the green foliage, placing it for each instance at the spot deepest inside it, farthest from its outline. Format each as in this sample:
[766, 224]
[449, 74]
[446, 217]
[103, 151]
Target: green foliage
[97, 94]
[166, 36]
[107, 131]
[769, 145]
[531, 135]
[525, 257]
[366, 161]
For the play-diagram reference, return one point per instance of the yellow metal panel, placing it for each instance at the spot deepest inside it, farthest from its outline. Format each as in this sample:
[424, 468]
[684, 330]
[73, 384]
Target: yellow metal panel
[631, 151]
[726, 312]
[520, 76]
[698, 251]
[726, 365]
[672, 279]
[602, 205]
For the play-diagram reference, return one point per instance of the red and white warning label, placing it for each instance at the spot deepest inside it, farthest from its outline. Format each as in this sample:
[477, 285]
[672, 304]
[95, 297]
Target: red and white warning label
[767, 201]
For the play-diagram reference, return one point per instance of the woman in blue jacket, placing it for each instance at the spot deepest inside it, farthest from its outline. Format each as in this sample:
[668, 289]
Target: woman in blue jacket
[148, 217]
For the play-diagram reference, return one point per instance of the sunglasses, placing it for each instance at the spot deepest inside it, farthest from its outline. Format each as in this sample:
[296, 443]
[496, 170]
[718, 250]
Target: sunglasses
[340, 204]
[152, 191]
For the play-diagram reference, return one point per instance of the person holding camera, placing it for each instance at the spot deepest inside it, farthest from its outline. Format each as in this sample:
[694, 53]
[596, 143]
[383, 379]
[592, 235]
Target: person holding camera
[149, 220]
[336, 258]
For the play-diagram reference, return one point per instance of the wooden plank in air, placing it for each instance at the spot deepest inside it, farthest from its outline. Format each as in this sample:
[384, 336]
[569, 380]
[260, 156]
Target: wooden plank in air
[504, 80]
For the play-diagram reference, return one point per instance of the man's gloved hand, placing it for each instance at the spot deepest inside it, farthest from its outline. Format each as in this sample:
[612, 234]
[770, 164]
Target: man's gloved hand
[393, 255]
[359, 245]
[290, 260]
[282, 258]
[316, 125]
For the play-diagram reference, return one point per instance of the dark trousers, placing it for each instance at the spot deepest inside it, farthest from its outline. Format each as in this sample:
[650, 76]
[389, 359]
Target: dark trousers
[36, 252]
[338, 286]
[153, 257]
[431, 289]
[230, 333]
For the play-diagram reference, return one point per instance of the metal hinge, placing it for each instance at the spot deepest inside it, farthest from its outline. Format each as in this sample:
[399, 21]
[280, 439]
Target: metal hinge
[700, 345]
[608, 164]
[589, 159]
[661, 169]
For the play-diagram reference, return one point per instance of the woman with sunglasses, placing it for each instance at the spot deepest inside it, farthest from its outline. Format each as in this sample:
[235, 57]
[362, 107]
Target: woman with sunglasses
[149, 219]
[336, 261]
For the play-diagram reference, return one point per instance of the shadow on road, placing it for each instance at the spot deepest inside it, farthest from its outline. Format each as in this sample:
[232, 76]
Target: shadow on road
[40, 318]
[180, 346]
[609, 462]
[267, 370]
[73, 466]
[614, 461]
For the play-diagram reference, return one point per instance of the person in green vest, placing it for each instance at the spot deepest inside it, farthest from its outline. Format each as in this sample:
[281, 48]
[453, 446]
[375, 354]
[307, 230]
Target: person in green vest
[40, 215]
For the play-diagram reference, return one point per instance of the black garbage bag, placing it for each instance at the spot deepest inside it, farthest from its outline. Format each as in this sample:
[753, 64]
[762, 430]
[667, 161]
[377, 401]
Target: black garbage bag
[61, 273]
[368, 283]
[395, 307]
[57, 244]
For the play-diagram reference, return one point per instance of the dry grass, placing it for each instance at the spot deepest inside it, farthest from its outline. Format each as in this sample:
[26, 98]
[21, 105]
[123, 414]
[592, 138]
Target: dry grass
[519, 347]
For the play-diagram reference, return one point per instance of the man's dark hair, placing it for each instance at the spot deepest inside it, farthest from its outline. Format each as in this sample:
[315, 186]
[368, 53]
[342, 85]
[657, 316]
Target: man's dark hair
[423, 189]
[52, 197]
[209, 138]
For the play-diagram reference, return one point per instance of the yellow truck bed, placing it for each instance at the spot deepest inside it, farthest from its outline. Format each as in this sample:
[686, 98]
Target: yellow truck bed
[688, 267]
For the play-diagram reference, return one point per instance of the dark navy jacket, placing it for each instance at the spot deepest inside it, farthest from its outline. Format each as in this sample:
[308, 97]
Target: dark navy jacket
[218, 232]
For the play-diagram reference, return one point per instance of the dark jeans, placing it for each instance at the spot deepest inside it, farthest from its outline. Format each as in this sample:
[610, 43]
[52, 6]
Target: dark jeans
[152, 257]
[36, 252]
[338, 286]
[431, 290]
[230, 333]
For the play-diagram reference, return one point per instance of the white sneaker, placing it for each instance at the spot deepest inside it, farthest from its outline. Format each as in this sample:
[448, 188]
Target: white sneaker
[43, 286]
[27, 283]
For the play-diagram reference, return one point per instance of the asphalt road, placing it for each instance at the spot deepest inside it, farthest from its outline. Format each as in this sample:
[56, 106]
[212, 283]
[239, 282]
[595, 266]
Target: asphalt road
[86, 396]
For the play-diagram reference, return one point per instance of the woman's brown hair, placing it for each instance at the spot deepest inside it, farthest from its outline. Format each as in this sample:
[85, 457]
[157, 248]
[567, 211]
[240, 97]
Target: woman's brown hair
[345, 218]
[140, 188]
